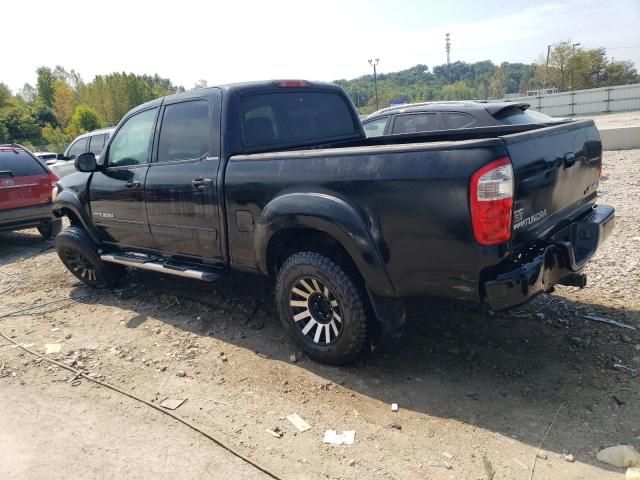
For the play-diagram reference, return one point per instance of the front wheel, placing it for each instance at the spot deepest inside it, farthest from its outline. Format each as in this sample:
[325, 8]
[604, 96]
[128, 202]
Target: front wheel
[80, 255]
[322, 308]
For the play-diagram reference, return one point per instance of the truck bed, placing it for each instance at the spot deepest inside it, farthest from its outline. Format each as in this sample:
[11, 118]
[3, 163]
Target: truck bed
[412, 194]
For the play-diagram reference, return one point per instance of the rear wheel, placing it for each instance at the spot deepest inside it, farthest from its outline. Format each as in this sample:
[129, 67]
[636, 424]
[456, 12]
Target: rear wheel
[322, 308]
[49, 230]
[80, 255]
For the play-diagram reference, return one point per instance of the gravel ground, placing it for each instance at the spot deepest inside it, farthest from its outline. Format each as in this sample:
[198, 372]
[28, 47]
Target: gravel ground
[476, 392]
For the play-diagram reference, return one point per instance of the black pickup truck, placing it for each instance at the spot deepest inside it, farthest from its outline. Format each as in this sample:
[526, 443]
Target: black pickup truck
[278, 178]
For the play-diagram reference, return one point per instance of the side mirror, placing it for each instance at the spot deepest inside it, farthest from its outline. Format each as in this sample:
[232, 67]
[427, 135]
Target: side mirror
[60, 156]
[86, 162]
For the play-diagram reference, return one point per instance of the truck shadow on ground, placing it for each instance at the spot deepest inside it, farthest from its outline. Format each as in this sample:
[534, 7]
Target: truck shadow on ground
[506, 373]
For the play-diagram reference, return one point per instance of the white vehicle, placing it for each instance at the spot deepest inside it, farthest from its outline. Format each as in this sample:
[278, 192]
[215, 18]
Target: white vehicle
[93, 142]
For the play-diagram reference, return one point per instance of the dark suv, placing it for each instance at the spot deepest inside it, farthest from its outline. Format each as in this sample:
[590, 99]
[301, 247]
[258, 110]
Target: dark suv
[27, 191]
[432, 116]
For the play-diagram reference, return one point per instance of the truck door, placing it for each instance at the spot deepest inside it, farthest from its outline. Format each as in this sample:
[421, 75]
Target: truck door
[180, 190]
[117, 191]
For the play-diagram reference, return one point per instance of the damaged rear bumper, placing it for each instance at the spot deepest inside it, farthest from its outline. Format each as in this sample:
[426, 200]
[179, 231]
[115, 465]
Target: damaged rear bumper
[559, 260]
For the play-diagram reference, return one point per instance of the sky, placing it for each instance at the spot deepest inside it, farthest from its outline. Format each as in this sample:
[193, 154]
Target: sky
[239, 40]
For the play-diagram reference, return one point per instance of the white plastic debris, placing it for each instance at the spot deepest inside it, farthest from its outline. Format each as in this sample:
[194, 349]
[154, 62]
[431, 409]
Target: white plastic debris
[394, 407]
[298, 422]
[619, 456]
[334, 438]
[275, 432]
[50, 348]
[172, 403]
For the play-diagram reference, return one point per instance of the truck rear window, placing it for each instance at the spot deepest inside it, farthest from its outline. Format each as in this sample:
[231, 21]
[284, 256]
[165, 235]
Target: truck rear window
[295, 117]
[18, 163]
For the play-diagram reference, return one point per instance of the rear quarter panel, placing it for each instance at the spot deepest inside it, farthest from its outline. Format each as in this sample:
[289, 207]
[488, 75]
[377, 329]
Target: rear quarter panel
[413, 199]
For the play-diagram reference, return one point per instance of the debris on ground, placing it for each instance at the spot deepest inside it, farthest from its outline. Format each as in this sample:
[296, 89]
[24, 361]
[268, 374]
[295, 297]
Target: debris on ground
[632, 474]
[488, 468]
[181, 373]
[274, 432]
[569, 457]
[596, 318]
[620, 456]
[293, 358]
[172, 403]
[625, 368]
[447, 455]
[50, 348]
[347, 437]
[394, 407]
[298, 422]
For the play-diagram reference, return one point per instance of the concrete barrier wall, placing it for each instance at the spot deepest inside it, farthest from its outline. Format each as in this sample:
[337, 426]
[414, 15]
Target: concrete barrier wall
[621, 98]
[620, 138]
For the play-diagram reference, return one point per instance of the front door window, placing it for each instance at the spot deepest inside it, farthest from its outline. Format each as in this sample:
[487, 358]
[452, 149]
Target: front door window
[132, 143]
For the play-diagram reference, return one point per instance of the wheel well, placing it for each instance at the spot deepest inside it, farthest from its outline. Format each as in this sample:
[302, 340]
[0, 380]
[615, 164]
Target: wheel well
[287, 242]
[73, 218]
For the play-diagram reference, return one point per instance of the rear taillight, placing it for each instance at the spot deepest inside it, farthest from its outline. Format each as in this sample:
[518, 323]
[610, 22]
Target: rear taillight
[53, 179]
[491, 201]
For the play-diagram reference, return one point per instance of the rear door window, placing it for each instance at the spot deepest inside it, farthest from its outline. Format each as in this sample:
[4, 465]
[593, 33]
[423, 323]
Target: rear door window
[185, 132]
[97, 144]
[416, 122]
[454, 120]
[18, 163]
[295, 118]
[375, 128]
[80, 146]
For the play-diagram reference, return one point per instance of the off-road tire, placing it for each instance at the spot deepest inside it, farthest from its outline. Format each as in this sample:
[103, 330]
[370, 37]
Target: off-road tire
[80, 255]
[343, 290]
[49, 230]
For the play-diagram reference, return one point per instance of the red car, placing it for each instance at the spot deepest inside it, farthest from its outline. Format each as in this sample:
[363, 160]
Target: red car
[27, 191]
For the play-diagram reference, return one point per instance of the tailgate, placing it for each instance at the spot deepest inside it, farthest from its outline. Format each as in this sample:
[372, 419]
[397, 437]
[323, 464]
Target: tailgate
[557, 170]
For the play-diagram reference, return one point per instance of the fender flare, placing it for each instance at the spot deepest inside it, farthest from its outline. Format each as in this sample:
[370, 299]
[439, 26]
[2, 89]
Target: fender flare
[68, 200]
[333, 216]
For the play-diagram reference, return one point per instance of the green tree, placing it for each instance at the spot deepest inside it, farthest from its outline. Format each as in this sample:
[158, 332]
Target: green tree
[45, 85]
[28, 93]
[458, 91]
[84, 119]
[63, 102]
[5, 95]
[19, 125]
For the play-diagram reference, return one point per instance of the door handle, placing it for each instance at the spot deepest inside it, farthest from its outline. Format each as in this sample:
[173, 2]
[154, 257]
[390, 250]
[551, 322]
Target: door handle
[133, 184]
[201, 182]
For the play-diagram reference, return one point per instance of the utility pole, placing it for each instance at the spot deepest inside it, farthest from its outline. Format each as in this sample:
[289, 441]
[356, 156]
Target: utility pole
[544, 81]
[374, 63]
[573, 52]
[447, 43]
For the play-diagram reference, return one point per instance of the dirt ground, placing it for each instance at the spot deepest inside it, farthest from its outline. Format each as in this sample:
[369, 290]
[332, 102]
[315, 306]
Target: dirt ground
[476, 392]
